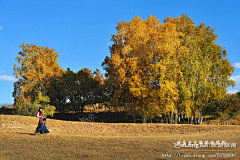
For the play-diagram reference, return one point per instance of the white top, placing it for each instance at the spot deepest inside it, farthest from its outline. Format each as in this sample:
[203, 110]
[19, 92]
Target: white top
[38, 115]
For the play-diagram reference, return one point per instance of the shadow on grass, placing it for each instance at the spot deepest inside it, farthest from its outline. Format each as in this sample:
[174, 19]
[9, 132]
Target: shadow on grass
[31, 134]
[104, 117]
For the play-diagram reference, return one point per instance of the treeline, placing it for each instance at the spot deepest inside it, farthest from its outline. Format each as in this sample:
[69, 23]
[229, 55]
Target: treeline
[225, 110]
[169, 70]
[42, 83]
[73, 90]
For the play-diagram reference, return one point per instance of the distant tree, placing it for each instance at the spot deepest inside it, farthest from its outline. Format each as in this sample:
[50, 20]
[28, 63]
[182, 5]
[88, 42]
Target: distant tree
[85, 87]
[238, 94]
[55, 89]
[76, 89]
[225, 109]
[233, 107]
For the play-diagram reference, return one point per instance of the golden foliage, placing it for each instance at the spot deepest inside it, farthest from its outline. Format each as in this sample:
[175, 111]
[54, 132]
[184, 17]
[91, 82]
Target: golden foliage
[175, 66]
[144, 60]
[35, 65]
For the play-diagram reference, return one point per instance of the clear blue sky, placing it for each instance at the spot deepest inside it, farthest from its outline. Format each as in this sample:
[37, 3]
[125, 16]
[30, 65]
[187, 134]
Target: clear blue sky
[80, 30]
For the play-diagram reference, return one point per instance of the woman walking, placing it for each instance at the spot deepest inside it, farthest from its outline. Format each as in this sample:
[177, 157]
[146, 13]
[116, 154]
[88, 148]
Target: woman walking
[41, 128]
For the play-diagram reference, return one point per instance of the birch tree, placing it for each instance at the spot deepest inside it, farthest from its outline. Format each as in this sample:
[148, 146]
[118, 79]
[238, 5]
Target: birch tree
[144, 63]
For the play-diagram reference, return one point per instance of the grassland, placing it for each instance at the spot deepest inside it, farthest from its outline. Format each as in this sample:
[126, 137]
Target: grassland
[79, 140]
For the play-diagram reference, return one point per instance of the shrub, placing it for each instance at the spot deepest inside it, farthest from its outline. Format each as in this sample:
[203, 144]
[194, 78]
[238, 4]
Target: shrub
[49, 110]
[27, 109]
[31, 109]
[43, 100]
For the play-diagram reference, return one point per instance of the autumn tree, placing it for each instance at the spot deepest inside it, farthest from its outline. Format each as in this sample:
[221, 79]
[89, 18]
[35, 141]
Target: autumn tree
[204, 65]
[174, 67]
[35, 65]
[144, 66]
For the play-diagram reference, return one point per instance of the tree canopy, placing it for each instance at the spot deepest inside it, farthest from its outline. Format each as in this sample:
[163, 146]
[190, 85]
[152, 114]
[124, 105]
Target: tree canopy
[76, 90]
[35, 65]
[164, 68]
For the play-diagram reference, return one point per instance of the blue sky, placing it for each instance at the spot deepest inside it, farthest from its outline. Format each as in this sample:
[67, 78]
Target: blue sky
[80, 30]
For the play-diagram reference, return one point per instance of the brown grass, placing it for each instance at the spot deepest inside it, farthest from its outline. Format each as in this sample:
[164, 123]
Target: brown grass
[78, 140]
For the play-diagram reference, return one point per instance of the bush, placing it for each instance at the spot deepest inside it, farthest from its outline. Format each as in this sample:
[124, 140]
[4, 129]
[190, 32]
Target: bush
[31, 109]
[27, 109]
[49, 110]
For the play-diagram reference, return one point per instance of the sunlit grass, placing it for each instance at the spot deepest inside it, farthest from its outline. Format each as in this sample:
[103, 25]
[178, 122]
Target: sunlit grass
[77, 140]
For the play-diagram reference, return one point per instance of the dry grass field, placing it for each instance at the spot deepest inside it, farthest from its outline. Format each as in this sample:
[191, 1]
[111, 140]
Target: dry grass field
[83, 140]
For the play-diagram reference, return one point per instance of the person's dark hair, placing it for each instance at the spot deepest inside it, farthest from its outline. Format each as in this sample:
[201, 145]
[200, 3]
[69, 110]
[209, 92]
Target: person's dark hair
[39, 109]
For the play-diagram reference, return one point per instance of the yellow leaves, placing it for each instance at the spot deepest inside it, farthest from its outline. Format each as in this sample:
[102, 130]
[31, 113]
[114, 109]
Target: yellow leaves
[126, 50]
[116, 60]
[36, 63]
[144, 57]
[166, 64]
[201, 64]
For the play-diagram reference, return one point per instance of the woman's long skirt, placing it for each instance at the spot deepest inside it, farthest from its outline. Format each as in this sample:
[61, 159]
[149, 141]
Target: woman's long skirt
[41, 128]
